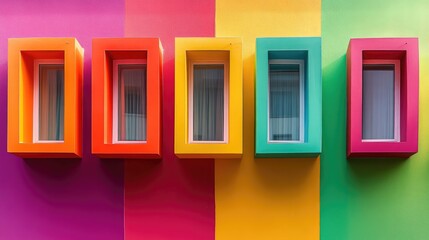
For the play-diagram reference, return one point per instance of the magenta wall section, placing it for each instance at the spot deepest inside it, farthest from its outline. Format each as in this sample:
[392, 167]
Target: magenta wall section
[170, 198]
[59, 198]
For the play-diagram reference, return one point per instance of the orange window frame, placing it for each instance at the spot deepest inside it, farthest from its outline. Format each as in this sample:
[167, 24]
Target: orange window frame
[104, 52]
[22, 55]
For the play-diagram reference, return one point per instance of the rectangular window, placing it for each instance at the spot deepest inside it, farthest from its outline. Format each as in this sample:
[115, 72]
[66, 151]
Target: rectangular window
[383, 90]
[129, 101]
[208, 98]
[286, 101]
[380, 100]
[48, 101]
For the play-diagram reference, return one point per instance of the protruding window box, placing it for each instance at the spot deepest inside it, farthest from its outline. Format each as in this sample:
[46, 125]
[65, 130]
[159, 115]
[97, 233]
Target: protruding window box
[383, 76]
[288, 97]
[208, 98]
[45, 97]
[126, 98]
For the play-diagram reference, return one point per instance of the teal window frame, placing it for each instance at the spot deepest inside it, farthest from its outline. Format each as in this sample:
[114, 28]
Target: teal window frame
[307, 49]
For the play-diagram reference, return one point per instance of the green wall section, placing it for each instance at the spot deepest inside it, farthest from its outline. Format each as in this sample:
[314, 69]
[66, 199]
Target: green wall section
[371, 198]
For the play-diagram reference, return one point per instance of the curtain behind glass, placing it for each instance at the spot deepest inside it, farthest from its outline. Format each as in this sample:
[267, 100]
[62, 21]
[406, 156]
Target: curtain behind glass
[284, 102]
[208, 102]
[378, 102]
[132, 102]
[51, 102]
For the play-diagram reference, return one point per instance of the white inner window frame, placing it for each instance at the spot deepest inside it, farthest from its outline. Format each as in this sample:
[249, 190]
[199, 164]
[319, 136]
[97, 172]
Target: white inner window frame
[301, 63]
[115, 113]
[397, 85]
[191, 65]
[36, 94]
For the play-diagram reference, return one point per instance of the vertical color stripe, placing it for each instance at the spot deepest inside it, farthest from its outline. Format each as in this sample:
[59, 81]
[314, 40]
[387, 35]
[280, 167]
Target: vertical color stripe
[169, 198]
[265, 198]
[59, 198]
[371, 198]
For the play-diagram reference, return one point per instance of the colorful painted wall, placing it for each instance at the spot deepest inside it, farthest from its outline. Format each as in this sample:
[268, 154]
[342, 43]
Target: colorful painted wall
[328, 197]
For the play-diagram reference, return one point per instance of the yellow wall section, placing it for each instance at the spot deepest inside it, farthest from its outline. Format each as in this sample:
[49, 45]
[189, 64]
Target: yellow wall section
[265, 198]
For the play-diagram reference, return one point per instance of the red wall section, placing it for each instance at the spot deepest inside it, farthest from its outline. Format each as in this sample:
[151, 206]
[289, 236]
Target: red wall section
[169, 198]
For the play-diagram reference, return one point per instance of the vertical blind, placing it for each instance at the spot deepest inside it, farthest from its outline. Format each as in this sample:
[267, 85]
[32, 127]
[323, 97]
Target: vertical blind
[208, 102]
[132, 102]
[284, 102]
[51, 102]
[378, 102]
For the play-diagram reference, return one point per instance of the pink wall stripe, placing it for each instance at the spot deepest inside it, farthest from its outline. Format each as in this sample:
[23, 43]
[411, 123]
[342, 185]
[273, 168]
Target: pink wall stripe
[169, 198]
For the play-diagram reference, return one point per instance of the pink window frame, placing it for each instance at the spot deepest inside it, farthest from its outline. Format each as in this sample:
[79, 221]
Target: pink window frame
[405, 50]
[115, 114]
[191, 98]
[36, 94]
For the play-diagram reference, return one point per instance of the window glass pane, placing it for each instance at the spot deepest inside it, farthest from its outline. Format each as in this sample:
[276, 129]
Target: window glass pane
[132, 102]
[284, 102]
[208, 102]
[378, 101]
[51, 102]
